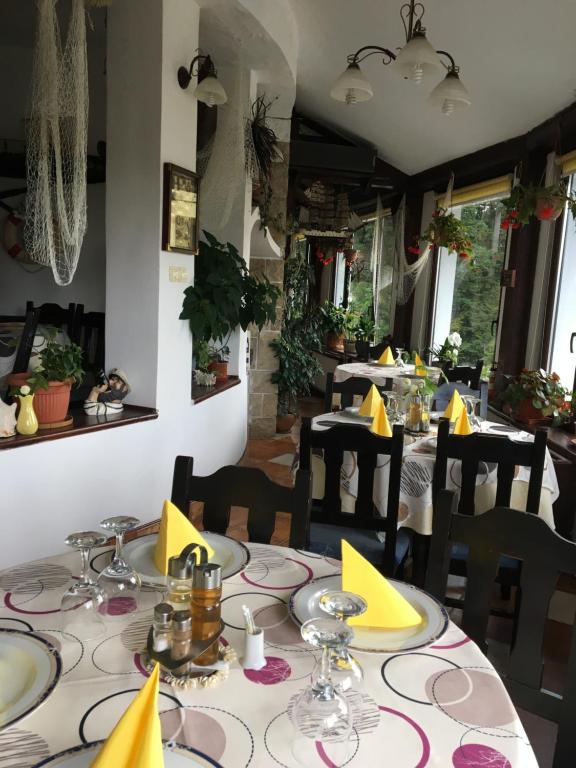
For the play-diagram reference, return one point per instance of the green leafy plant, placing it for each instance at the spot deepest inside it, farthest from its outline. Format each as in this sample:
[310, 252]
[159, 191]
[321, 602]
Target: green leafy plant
[58, 362]
[218, 353]
[202, 355]
[225, 295]
[542, 389]
[448, 351]
[446, 231]
[333, 318]
[364, 328]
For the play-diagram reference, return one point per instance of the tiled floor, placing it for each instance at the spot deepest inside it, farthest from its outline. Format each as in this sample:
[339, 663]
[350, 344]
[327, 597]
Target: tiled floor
[274, 456]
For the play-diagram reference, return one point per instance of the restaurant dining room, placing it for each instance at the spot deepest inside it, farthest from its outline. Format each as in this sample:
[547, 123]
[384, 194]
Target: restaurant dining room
[287, 384]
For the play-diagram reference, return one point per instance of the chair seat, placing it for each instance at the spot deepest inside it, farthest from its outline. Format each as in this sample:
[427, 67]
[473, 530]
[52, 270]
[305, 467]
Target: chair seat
[325, 540]
[460, 553]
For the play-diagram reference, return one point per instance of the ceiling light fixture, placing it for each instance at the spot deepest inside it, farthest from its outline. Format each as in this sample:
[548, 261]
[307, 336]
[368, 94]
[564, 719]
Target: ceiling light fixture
[209, 89]
[416, 61]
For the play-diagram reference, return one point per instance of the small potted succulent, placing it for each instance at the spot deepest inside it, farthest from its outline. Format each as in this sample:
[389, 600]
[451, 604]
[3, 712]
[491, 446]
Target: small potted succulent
[202, 376]
[219, 362]
[536, 396]
[334, 324]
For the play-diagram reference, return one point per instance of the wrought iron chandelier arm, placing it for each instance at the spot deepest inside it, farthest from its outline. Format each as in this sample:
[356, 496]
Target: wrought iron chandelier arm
[452, 67]
[370, 50]
[198, 60]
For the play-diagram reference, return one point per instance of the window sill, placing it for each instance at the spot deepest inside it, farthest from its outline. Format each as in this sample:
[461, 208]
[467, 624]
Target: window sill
[199, 394]
[132, 414]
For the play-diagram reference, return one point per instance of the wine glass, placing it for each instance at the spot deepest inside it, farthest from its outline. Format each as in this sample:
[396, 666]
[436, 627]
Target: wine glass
[320, 713]
[472, 404]
[345, 670]
[81, 605]
[119, 580]
[393, 407]
[399, 359]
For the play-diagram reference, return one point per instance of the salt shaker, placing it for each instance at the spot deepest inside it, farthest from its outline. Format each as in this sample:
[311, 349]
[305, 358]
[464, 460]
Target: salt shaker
[205, 608]
[181, 641]
[162, 627]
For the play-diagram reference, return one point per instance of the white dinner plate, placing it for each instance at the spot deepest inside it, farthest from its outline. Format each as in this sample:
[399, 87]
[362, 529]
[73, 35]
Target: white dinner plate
[382, 365]
[30, 667]
[352, 412]
[232, 555]
[435, 416]
[304, 605]
[177, 756]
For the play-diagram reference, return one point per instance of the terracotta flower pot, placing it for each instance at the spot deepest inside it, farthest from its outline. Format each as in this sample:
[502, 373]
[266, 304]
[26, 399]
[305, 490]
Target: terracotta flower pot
[220, 369]
[51, 405]
[335, 341]
[526, 411]
[549, 208]
[285, 422]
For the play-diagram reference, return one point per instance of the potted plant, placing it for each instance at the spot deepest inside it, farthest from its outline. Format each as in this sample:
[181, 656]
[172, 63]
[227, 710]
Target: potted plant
[534, 396]
[350, 325]
[544, 203]
[60, 366]
[333, 322]
[202, 376]
[446, 231]
[364, 334]
[218, 364]
[223, 297]
[447, 353]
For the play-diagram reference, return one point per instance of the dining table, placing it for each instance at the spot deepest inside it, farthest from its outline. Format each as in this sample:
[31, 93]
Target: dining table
[380, 374]
[441, 704]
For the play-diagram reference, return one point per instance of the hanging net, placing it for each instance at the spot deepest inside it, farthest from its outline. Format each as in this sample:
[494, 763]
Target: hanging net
[57, 138]
[406, 274]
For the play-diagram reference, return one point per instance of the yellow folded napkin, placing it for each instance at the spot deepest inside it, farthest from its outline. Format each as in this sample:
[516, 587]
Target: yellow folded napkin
[387, 609]
[136, 741]
[371, 403]
[420, 370]
[176, 532]
[462, 426]
[455, 406]
[417, 360]
[387, 358]
[380, 423]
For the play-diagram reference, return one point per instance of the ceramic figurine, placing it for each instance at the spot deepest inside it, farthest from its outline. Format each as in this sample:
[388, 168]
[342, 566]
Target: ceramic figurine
[106, 397]
[7, 419]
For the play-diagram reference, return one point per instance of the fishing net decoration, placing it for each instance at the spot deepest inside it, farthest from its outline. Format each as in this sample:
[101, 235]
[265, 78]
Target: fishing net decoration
[57, 143]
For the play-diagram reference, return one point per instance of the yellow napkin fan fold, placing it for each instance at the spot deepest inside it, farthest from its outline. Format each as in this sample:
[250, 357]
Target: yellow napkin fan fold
[454, 407]
[462, 425]
[417, 360]
[176, 532]
[387, 358]
[387, 609]
[371, 403]
[380, 423]
[136, 741]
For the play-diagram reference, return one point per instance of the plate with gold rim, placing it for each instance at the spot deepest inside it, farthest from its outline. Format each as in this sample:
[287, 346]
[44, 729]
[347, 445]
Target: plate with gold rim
[175, 756]
[305, 604]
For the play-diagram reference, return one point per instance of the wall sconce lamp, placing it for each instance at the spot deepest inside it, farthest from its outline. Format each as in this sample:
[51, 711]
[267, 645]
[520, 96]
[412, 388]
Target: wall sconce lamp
[209, 89]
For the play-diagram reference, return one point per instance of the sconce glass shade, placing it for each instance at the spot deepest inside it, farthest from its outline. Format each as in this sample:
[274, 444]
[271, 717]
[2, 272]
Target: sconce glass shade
[210, 91]
[450, 94]
[418, 59]
[352, 86]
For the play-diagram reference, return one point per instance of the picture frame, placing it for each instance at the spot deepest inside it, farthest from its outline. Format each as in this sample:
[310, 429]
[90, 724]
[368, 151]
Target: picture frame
[180, 210]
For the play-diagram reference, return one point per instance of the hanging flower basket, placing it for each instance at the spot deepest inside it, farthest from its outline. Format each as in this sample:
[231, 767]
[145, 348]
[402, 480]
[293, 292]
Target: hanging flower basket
[542, 203]
[549, 208]
[446, 231]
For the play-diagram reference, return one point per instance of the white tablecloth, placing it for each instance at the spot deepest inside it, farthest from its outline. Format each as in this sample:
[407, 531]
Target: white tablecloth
[441, 706]
[415, 510]
[377, 373]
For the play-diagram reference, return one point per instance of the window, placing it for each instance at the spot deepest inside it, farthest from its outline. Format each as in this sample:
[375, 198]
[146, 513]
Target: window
[364, 285]
[468, 293]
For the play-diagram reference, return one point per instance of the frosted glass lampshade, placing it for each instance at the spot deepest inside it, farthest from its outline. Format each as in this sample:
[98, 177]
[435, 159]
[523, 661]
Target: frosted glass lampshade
[352, 86]
[418, 59]
[450, 94]
[210, 91]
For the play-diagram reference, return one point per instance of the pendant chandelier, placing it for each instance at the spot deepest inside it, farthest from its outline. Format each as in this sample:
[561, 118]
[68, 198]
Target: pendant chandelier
[416, 61]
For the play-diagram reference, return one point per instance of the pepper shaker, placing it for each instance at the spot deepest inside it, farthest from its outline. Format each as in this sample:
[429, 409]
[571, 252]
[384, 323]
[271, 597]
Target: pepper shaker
[162, 627]
[181, 641]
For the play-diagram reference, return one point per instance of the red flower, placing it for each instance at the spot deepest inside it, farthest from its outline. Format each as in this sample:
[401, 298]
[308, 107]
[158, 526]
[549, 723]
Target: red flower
[505, 224]
[414, 249]
[513, 214]
[464, 255]
[546, 212]
[516, 225]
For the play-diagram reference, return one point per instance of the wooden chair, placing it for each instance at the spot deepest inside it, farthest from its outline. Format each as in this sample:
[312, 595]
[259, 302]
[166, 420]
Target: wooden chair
[544, 554]
[53, 314]
[356, 385]
[244, 487]
[444, 392]
[329, 524]
[92, 340]
[466, 374]
[26, 342]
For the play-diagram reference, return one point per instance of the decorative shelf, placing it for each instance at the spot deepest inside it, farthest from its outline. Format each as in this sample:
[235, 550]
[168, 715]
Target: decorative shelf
[199, 394]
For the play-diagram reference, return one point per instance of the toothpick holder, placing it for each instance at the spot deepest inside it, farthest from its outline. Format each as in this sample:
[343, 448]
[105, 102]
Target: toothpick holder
[254, 650]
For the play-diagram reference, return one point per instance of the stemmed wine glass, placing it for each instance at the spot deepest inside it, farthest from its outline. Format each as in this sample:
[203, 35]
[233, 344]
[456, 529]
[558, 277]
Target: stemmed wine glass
[320, 713]
[472, 403]
[119, 580]
[399, 359]
[345, 670]
[393, 406]
[80, 608]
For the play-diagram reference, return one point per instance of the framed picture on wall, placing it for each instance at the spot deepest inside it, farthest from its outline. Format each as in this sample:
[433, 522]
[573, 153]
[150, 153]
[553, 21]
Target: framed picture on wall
[180, 210]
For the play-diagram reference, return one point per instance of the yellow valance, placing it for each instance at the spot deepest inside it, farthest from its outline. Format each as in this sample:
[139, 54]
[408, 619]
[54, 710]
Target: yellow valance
[567, 163]
[482, 191]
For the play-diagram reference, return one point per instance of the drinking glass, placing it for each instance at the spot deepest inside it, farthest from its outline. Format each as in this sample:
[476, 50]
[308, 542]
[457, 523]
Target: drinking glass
[472, 409]
[393, 407]
[81, 605]
[399, 359]
[119, 580]
[320, 713]
[345, 670]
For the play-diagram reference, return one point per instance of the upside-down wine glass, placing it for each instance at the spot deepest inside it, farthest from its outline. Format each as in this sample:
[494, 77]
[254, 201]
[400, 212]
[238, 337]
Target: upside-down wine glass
[345, 670]
[399, 359]
[119, 580]
[81, 605]
[320, 713]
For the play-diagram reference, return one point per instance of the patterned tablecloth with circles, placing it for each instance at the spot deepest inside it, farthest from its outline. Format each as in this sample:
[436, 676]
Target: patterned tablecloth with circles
[443, 705]
[378, 373]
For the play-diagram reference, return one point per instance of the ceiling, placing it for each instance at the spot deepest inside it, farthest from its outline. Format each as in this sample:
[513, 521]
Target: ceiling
[517, 58]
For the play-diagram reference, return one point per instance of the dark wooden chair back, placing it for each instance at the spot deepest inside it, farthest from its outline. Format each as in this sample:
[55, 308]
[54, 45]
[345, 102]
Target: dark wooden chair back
[26, 342]
[53, 314]
[355, 385]
[368, 447]
[92, 340]
[466, 374]
[442, 395]
[377, 349]
[472, 450]
[544, 554]
[244, 487]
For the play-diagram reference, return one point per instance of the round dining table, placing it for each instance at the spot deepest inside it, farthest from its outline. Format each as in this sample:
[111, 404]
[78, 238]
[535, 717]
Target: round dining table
[442, 705]
[379, 374]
